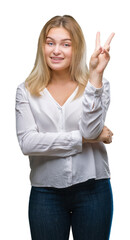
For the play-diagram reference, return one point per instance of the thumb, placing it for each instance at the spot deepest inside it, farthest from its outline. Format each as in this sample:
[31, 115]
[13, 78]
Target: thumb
[97, 52]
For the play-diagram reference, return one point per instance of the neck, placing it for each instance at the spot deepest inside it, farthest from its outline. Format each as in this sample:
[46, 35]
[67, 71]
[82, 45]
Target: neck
[61, 77]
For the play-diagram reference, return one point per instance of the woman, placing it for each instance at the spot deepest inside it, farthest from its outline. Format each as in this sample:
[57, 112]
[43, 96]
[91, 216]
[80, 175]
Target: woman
[60, 115]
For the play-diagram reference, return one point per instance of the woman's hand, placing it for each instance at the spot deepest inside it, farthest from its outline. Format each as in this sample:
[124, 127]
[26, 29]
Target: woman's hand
[99, 60]
[105, 136]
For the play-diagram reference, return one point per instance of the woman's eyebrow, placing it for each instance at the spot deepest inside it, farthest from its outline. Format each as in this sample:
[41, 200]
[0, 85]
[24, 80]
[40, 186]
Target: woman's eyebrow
[65, 39]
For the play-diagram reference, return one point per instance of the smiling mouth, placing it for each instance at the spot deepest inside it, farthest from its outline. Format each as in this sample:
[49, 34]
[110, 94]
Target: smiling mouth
[57, 58]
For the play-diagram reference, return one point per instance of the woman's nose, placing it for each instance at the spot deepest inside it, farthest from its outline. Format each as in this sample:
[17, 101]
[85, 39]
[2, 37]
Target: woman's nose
[56, 49]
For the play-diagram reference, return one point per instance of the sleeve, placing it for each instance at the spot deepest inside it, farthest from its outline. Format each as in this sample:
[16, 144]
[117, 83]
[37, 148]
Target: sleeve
[33, 142]
[94, 108]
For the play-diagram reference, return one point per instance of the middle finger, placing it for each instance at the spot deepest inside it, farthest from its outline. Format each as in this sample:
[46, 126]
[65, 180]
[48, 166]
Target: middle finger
[107, 43]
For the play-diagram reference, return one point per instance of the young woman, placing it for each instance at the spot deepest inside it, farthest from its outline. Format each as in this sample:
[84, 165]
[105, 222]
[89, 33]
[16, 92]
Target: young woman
[60, 115]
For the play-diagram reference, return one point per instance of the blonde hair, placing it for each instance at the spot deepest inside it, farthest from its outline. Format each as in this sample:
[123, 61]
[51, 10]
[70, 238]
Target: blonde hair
[41, 73]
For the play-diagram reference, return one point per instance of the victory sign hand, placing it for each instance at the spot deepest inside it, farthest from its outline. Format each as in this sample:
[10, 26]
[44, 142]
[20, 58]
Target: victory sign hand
[100, 57]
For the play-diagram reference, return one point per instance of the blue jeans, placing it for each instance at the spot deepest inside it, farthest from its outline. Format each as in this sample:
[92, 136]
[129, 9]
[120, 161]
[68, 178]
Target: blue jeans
[86, 207]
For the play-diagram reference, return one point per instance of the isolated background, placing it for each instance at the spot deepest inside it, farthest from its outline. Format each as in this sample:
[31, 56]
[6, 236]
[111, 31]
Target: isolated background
[20, 26]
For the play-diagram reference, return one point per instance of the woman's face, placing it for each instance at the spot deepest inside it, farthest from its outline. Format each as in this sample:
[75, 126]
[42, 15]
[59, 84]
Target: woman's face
[58, 49]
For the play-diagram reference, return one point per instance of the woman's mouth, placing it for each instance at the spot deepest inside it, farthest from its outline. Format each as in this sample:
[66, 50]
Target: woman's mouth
[56, 59]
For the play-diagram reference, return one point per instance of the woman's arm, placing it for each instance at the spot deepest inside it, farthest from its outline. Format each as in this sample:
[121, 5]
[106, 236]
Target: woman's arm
[94, 108]
[33, 142]
[105, 137]
[97, 92]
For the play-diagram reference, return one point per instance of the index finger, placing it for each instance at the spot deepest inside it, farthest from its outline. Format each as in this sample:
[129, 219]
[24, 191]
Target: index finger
[97, 44]
[109, 40]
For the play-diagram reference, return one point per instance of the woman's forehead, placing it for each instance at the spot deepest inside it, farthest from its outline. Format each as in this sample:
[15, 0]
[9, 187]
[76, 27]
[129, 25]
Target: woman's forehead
[59, 33]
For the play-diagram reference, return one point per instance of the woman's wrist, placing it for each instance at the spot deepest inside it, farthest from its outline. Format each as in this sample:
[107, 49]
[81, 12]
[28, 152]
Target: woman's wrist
[96, 79]
[84, 140]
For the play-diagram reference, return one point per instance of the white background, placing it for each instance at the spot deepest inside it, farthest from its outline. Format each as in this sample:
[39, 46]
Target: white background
[20, 26]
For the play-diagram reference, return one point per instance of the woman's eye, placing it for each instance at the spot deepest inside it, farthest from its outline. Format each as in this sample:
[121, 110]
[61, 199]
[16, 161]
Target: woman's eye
[66, 45]
[50, 43]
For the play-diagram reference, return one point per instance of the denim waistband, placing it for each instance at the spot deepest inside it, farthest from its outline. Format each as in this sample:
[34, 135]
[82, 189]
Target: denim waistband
[81, 185]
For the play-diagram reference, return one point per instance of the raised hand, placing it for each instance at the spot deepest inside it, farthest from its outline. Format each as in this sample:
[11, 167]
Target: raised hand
[99, 58]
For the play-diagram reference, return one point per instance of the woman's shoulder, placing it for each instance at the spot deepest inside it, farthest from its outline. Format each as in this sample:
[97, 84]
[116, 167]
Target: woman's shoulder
[21, 85]
[21, 91]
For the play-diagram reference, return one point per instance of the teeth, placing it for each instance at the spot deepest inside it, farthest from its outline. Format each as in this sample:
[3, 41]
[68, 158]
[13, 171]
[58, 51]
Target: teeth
[57, 58]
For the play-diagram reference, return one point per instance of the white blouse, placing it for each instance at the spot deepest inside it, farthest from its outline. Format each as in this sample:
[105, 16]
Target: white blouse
[51, 135]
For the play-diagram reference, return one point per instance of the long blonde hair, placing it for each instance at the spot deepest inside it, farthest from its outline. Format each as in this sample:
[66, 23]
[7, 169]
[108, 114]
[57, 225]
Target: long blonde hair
[41, 73]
